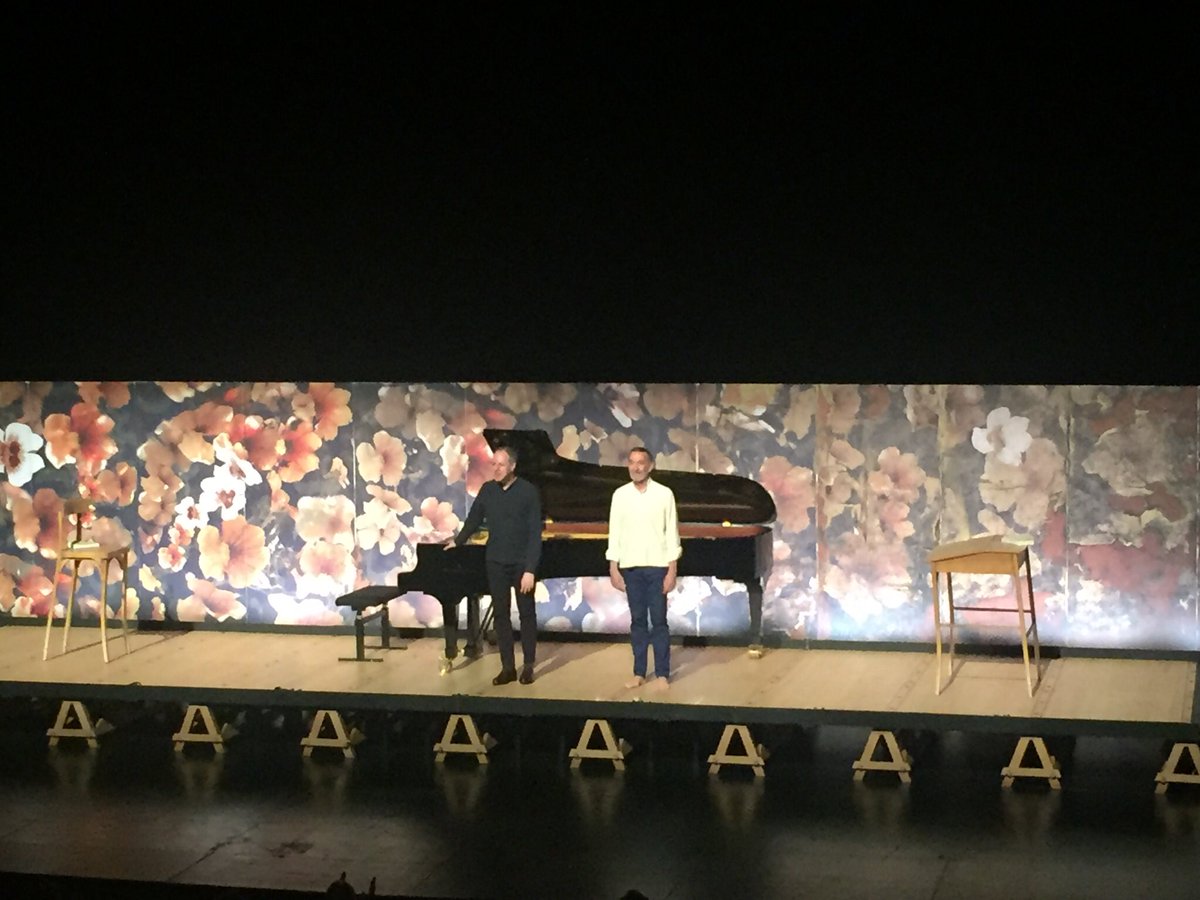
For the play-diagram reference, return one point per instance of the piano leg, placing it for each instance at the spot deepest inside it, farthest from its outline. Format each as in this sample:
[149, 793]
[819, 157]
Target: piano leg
[474, 648]
[450, 628]
[754, 590]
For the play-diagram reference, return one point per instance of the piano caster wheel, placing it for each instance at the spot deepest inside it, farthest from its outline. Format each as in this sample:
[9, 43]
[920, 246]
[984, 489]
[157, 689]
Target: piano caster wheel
[756, 651]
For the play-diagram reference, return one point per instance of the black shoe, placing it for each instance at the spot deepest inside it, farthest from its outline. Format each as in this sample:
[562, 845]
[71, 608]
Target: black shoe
[527, 675]
[505, 676]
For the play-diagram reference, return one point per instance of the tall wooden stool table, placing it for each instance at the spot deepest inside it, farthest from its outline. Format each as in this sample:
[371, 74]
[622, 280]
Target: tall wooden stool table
[76, 546]
[989, 555]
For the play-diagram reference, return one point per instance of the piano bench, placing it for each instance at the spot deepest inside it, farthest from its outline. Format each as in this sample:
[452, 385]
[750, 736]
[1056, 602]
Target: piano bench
[360, 601]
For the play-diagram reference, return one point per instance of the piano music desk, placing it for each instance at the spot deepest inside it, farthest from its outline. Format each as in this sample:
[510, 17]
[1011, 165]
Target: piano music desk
[360, 601]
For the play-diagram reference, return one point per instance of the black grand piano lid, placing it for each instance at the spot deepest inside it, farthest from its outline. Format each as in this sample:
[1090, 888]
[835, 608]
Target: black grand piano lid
[574, 491]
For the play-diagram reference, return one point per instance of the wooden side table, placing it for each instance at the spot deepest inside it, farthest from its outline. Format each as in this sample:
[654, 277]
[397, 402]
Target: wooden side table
[990, 555]
[76, 546]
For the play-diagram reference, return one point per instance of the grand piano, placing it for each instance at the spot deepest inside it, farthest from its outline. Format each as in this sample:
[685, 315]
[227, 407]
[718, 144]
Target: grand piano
[724, 527]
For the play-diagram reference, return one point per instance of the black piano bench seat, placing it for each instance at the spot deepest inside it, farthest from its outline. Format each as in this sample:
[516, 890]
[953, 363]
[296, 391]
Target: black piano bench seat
[360, 601]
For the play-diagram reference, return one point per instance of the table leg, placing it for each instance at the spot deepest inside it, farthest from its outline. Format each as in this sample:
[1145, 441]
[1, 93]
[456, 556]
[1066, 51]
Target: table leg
[937, 633]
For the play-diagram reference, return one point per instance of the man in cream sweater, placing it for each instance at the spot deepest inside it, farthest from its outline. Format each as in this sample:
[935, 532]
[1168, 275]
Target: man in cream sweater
[643, 551]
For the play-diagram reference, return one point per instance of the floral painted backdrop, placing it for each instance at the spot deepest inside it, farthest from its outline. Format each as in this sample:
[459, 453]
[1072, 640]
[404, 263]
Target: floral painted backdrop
[263, 502]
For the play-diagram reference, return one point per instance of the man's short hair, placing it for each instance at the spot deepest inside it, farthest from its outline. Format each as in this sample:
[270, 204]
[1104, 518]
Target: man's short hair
[649, 455]
[511, 451]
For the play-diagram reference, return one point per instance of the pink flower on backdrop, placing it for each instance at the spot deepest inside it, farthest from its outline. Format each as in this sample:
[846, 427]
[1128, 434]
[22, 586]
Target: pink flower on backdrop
[436, 522]
[802, 407]
[379, 524]
[206, 599]
[325, 570]
[24, 588]
[479, 459]
[182, 390]
[172, 557]
[834, 462]
[34, 519]
[964, 413]
[257, 439]
[156, 502]
[608, 610]
[693, 452]
[384, 459]
[148, 537]
[893, 517]
[129, 607]
[838, 406]
[274, 394]
[1150, 571]
[82, 437]
[300, 451]
[115, 485]
[752, 399]
[394, 410]
[326, 518]
[792, 489]
[868, 577]
[898, 477]
[113, 393]
[31, 395]
[415, 610]
[190, 431]
[237, 553]
[553, 399]
[454, 458]
[159, 459]
[326, 406]
[10, 391]
[310, 611]
[666, 401]
[35, 586]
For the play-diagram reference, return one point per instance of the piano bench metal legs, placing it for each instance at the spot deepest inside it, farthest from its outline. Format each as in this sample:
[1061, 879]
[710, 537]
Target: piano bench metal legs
[372, 597]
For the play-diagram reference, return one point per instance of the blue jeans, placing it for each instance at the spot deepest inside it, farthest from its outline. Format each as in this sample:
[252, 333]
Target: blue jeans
[644, 590]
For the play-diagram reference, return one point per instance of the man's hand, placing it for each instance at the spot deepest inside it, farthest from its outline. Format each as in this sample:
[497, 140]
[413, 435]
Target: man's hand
[449, 545]
[614, 575]
[527, 582]
[669, 579]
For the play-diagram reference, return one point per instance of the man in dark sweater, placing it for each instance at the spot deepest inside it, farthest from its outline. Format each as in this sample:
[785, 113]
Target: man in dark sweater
[512, 510]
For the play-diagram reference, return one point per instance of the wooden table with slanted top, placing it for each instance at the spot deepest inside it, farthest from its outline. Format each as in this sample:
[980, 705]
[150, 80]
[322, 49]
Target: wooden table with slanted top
[989, 555]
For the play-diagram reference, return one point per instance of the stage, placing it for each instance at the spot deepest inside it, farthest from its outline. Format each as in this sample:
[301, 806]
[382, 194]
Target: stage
[260, 816]
[883, 689]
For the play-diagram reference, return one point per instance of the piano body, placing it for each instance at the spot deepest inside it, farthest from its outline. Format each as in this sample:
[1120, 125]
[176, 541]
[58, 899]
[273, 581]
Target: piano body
[724, 528]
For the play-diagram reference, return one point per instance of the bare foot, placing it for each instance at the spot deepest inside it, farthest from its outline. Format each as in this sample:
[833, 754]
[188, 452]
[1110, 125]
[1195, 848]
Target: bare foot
[635, 682]
[658, 685]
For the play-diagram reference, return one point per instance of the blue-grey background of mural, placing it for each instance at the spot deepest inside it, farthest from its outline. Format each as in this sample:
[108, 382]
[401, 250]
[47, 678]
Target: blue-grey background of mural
[262, 502]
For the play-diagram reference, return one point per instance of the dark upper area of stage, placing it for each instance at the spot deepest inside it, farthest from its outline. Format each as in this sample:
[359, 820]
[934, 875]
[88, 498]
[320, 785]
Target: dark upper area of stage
[599, 192]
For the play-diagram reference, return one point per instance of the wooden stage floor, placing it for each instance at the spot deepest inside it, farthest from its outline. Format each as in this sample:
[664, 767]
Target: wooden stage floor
[861, 687]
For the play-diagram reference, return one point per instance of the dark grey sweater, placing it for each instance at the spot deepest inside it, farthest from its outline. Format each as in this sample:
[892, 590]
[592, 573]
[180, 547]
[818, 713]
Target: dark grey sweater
[514, 523]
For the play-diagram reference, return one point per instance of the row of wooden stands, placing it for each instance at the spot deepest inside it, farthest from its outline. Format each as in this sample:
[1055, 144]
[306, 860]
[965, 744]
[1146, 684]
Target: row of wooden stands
[883, 751]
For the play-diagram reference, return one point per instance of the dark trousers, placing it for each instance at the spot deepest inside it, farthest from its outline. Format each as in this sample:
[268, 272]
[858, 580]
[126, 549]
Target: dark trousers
[503, 579]
[644, 590]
